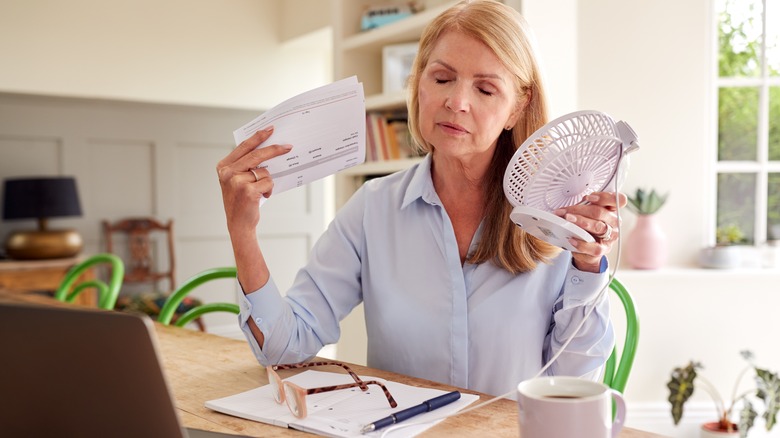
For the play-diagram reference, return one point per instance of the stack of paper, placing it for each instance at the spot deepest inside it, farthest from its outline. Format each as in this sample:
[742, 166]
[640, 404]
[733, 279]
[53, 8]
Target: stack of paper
[339, 413]
[326, 127]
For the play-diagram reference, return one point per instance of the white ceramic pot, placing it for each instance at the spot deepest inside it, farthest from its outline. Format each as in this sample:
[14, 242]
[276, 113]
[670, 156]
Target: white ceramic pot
[710, 430]
[721, 257]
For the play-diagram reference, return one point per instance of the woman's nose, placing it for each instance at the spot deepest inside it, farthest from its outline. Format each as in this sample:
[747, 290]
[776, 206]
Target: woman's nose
[457, 100]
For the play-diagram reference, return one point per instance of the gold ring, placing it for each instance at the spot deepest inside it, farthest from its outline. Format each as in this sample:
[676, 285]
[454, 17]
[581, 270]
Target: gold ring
[255, 175]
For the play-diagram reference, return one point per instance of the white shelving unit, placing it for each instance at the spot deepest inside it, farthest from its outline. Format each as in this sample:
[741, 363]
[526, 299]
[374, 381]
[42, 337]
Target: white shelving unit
[360, 53]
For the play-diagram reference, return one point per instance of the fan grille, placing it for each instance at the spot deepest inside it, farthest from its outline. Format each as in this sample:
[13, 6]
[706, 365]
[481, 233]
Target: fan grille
[563, 161]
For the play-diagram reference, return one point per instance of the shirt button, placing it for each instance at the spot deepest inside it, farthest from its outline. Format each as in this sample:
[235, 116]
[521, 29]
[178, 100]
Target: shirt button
[576, 280]
[258, 320]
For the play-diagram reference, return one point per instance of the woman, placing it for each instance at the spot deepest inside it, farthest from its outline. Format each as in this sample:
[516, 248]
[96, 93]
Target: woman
[453, 291]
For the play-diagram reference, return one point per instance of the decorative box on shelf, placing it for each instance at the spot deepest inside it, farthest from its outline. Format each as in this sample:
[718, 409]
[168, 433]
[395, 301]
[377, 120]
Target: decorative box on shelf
[378, 16]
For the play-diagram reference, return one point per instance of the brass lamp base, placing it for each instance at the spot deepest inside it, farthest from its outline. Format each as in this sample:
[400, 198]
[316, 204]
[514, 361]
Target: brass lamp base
[48, 244]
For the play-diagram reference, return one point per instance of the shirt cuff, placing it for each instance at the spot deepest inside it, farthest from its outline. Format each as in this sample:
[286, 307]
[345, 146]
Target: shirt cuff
[582, 287]
[264, 306]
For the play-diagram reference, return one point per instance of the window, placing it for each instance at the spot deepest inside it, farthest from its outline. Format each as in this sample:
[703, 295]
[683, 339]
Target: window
[748, 114]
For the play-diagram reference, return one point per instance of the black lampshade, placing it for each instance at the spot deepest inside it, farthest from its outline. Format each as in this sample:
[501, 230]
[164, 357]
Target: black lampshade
[44, 197]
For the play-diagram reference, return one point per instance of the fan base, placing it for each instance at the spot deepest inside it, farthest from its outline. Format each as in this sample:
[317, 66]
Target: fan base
[552, 229]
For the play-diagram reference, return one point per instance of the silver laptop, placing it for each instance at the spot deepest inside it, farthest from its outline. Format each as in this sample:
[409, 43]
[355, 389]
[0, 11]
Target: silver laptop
[70, 372]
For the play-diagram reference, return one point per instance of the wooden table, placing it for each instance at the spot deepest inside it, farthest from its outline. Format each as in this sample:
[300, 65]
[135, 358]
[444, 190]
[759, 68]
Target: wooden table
[24, 276]
[200, 366]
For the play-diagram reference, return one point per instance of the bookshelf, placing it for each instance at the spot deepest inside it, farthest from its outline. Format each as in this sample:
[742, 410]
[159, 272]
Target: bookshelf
[360, 53]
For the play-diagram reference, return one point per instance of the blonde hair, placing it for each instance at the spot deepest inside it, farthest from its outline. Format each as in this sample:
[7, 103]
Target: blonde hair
[505, 32]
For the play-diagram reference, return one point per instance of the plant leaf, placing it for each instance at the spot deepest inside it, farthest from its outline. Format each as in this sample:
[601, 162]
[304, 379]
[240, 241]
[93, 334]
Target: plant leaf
[644, 202]
[680, 389]
[746, 416]
[769, 391]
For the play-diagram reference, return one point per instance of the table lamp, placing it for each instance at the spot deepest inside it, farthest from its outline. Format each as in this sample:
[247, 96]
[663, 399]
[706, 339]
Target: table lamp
[41, 198]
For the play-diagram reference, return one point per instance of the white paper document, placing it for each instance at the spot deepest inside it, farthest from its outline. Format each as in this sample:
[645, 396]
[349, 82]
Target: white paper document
[340, 413]
[326, 127]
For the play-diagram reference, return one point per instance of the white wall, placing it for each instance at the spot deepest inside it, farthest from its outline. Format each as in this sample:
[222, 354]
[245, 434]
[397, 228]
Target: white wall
[203, 52]
[649, 63]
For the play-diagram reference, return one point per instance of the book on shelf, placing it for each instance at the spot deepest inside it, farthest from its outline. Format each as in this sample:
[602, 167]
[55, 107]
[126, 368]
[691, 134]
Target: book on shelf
[387, 137]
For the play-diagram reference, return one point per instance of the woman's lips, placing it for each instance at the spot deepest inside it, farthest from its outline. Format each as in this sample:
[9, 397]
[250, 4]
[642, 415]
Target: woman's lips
[452, 128]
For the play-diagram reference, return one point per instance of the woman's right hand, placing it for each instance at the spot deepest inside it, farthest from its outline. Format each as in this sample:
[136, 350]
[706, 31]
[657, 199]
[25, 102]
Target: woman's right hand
[243, 184]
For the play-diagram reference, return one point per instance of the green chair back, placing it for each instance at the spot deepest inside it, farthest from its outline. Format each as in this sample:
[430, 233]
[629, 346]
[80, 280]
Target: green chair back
[174, 300]
[616, 373]
[107, 292]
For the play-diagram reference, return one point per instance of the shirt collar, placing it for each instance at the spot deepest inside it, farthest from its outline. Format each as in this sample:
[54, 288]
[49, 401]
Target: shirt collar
[421, 184]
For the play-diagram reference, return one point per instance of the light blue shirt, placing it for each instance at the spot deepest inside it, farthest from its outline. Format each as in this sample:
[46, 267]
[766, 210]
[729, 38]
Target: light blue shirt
[392, 246]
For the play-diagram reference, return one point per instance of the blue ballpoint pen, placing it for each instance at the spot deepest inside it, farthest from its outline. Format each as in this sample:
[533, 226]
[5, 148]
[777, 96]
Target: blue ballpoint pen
[407, 413]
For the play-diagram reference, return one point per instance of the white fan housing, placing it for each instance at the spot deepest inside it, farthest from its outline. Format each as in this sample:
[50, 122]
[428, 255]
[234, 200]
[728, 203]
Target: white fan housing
[559, 164]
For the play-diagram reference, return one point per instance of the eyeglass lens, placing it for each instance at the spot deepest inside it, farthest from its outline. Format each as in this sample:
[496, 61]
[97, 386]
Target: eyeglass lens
[273, 380]
[292, 401]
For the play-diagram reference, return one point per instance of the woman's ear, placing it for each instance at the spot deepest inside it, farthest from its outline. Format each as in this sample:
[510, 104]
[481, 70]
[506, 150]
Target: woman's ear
[520, 107]
[514, 116]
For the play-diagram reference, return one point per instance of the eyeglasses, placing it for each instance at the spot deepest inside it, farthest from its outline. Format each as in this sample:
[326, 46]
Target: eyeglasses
[295, 396]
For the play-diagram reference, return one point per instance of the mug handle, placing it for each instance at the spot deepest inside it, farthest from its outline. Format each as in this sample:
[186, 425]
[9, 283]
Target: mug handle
[620, 413]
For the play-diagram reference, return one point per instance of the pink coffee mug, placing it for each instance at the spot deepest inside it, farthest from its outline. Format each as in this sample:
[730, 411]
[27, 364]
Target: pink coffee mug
[565, 407]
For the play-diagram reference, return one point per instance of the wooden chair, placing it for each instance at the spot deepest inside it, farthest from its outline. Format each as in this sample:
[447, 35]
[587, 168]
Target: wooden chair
[144, 237]
[175, 299]
[141, 234]
[107, 292]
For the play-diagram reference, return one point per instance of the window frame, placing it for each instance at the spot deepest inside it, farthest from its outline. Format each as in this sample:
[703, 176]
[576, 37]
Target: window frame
[762, 167]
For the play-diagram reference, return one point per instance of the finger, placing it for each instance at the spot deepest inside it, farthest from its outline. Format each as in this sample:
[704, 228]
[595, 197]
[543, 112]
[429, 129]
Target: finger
[610, 200]
[587, 255]
[256, 157]
[251, 161]
[594, 226]
[246, 146]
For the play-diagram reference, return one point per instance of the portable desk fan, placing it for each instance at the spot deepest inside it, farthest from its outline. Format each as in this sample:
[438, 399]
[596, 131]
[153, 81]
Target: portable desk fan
[563, 161]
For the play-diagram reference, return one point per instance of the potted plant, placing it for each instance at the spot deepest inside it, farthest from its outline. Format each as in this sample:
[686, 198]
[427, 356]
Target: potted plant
[645, 203]
[729, 235]
[646, 244]
[767, 389]
[726, 253]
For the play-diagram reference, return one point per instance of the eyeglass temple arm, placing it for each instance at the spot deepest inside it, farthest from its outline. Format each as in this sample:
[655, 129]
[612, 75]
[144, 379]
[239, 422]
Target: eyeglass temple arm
[357, 378]
[389, 396]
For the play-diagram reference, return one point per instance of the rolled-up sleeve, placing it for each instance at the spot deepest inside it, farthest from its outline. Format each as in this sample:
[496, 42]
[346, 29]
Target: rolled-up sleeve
[592, 332]
[273, 308]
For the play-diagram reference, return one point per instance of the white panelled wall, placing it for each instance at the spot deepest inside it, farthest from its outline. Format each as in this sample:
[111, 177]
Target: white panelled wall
[139, 159]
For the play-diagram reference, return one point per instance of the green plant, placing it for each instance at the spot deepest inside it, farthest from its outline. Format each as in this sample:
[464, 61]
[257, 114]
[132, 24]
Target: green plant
[646, 203]
[767, 389]
[729, 235]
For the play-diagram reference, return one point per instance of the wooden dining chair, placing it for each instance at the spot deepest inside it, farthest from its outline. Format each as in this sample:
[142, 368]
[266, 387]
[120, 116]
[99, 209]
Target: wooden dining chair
[616, 372]
[173, 302]
[150, 259]
[71, 286]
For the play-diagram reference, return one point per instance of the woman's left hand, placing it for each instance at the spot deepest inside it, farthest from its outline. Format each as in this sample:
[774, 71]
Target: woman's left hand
[599, 218]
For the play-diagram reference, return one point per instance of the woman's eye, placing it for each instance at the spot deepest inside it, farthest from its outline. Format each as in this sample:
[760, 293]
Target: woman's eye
[441, 81]
[485, 92]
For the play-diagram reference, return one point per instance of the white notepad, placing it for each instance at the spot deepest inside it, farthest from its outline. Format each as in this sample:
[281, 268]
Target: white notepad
[339, 413]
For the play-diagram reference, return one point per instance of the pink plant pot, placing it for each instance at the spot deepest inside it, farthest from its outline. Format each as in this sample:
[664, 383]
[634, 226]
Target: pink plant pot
[646, 245]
